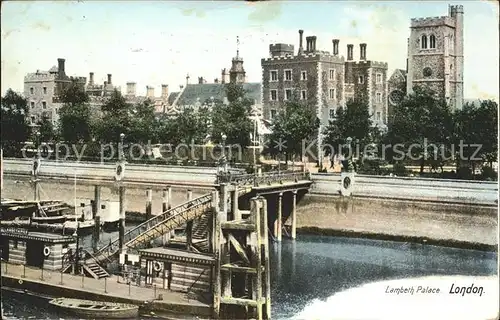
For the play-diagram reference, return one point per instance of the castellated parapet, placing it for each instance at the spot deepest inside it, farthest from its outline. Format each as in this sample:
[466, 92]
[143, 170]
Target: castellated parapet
[433, 22]
[371, 64]
[36, 77]
[307, 57]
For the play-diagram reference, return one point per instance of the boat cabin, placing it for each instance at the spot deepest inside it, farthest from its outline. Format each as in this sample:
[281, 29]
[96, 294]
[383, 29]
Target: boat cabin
[35, 249]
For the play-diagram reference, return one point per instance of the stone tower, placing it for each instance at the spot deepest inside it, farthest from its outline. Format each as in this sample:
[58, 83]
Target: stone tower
[237, 72]
[436, 55]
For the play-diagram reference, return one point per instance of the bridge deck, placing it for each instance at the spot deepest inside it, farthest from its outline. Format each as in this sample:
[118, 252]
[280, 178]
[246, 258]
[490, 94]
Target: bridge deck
[177, 256]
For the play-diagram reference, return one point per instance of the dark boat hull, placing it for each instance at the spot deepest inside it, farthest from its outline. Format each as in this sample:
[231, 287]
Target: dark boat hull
[96, 310]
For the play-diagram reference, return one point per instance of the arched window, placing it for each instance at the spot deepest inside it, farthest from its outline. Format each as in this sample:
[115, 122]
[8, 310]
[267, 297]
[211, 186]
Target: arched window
[432, 41]
[423, 42]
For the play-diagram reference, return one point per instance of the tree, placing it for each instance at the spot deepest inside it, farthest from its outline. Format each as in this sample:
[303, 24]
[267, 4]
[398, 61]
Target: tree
[143, 123]
[14, 127]
[233, 119]
[47, 132]
[116, 119]
[423, 122]
[74, 116]
[293, 125]
[352, 122]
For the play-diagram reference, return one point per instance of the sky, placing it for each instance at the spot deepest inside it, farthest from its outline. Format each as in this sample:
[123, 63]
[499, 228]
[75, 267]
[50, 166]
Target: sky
[160, 42]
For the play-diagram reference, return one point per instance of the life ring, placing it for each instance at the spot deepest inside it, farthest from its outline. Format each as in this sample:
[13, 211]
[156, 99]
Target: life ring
[346, 183]
[157, 266]
[20, 281]
[36, 167]
[46, 251]
[120, 170]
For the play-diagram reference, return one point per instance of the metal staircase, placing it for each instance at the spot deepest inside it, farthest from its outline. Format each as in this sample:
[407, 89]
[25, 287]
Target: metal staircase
[156, 227]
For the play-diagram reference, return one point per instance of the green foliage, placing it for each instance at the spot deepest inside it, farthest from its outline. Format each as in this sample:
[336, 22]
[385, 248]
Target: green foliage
[293, 125]
[74, 116]
[353, 122]
[233, 119]
[15, 130]
[423, 120]
[47, 132]
[116, 119]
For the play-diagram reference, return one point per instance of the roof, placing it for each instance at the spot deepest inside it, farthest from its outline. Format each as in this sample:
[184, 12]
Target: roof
[171, 97]
[399, 75]
[199, 93]
[54, 69]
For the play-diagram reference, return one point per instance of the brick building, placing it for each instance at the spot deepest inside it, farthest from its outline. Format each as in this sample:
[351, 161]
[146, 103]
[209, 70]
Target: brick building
[42, 90]
[322, 80]
[435, 58]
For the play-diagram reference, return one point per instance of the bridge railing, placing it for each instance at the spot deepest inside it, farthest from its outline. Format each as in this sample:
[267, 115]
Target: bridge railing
[110, 249]
[267, 178]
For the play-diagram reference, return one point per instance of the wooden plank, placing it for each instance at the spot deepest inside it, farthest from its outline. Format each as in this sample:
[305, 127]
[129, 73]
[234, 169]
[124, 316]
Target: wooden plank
[237, 226]
[241, 301]
[236, 268]
[239, 249]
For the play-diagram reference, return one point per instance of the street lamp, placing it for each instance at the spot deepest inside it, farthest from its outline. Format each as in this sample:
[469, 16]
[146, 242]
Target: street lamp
[224, 158]
[38, 134]
[347, 162]
[121, 155]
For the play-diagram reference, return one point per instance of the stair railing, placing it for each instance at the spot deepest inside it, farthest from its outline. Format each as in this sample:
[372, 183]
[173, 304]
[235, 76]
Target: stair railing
[195, 281]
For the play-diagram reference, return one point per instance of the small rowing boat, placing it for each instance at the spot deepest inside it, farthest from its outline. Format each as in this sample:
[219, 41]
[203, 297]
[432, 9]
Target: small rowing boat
[97, 309]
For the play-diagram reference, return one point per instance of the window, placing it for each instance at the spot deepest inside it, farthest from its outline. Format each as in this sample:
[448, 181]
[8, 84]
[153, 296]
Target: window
[379, 78]
[274, 75]
[361, 79]
[332, 74]
[33, 119]
[274, 95]
[432, 41]
[273, 113]
[423, 42]
[288, 75]
[378, 115]
[288, 94]
[303, 75]
[44, 90]
[331, 113]
[32, 90]
[44, 105]
[379, 97]
[331, 93]
[32, 104]
[303, 95]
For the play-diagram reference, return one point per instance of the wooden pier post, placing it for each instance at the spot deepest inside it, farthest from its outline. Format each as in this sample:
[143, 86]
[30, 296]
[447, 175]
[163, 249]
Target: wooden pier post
[149, 203]
[121, 226]
[224, 198]
[294, 215]
[96, 233]
[216, 240]
[36, 189]
[279, 219]
[189, 235]
[189, 195]
[267, 267]
[164, 200]
[96, 208]
[236, 211]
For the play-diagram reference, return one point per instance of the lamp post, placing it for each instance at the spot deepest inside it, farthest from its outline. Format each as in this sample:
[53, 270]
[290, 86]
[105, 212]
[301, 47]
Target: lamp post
[347, 161]
[121, 154]
[224, 158]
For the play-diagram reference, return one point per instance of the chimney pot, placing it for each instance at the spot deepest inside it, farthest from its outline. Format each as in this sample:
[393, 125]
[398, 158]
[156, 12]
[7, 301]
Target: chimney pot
[91, 78]
[350, 48]
[109, 78]
[335, 47]
[362, 51]
[164, 91]
[301, 34]
[60, 67]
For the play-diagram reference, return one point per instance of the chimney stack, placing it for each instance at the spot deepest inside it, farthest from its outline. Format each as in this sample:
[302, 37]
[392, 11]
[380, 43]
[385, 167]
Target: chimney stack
[224, 73]
[335, 47]
[301, 34]
[131, 89]
[150, 92]
[350, 48]
[362, 51]
[60, 69]
[109, 78]
[200, 80]
[216, 80]
[91, 78]
[164, 91]
[314, 43]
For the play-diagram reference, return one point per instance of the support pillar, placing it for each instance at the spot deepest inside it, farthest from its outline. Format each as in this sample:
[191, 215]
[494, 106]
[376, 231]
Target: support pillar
[294, 215]
[149, 203]
[121, 227]
[36, 189]
[169, 197]
[189, 235]
[189, 195]
[97, 202]
[236, 211]
[97, 233]
[164, 200]
[224, 198]
[279, 218]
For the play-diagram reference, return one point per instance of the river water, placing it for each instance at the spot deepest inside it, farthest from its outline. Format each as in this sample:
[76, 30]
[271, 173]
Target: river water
[311, 275]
